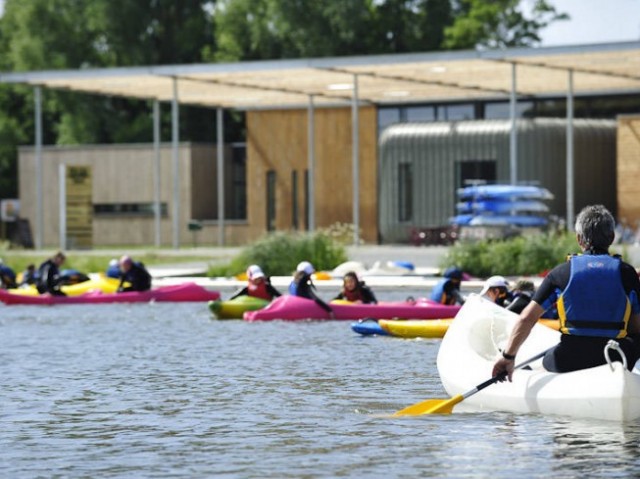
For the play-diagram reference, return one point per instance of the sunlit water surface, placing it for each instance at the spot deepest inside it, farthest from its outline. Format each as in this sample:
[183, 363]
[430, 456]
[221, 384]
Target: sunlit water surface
[162, 390]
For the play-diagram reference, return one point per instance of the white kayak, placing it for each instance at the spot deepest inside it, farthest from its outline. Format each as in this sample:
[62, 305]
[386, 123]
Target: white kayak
[473, 343]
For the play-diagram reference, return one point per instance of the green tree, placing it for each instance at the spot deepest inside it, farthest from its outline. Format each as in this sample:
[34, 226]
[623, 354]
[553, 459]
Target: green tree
[498, 24]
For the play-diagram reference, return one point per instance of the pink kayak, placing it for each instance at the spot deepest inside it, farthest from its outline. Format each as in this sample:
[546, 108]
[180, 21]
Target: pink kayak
[185, 292]
[293, 308]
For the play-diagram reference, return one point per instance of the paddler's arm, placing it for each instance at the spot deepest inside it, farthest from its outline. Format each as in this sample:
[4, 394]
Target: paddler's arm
[521, 330]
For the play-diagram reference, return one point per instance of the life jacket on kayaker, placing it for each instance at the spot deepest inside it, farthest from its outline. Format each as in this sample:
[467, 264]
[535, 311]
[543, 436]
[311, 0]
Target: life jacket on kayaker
[447, 290]
[354, 290]
[587, 311]
[303, 287]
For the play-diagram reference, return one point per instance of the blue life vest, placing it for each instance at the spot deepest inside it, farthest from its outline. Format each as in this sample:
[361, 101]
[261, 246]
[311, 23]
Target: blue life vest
[594, 303]
[439, 295]
[293, 288]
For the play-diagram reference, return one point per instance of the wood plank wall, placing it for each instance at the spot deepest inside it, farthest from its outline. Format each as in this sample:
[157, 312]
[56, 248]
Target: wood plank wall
[628, 170]
[277, 140]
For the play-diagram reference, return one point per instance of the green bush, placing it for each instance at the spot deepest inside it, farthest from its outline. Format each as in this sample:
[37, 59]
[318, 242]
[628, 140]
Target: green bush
[279, 253]
[519, 256]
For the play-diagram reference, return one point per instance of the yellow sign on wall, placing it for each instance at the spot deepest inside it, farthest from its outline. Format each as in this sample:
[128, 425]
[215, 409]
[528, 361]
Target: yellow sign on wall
[79, 217]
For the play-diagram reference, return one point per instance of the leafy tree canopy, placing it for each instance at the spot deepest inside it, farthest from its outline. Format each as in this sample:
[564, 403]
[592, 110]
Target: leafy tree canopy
[66, 34]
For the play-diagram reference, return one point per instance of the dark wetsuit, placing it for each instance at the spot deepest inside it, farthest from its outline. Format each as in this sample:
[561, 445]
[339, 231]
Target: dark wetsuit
[362, 293]
[581, 352]
[138, 278]
[519, 301]
[303, 287]
[49, 279]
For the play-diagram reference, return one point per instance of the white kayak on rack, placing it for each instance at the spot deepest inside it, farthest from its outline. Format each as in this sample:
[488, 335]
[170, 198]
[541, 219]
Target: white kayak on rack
[472, 344]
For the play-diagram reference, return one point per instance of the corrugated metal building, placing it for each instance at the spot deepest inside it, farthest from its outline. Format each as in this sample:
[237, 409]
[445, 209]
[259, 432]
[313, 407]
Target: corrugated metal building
[422, 164]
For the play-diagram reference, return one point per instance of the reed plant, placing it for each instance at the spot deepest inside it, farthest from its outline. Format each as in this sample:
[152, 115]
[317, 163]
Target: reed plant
[279, 253]
[518, 256]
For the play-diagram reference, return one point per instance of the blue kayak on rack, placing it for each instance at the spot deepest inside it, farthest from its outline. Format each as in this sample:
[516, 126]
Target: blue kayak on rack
[511, 192]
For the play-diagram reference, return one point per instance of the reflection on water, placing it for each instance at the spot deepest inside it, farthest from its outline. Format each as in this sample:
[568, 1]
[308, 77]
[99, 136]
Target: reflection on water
[163, 391]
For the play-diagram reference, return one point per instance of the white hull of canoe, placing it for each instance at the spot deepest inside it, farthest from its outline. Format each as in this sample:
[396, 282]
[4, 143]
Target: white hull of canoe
[471, 346]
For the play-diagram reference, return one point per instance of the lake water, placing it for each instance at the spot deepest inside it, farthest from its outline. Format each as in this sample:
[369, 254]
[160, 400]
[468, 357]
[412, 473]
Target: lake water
[162, 390]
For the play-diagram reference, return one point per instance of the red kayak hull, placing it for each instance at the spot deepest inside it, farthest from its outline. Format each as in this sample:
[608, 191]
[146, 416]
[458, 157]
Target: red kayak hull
[295, 308]
[186, 292]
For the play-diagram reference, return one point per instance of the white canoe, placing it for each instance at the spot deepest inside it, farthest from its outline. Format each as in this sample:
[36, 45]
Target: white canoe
[472, 344]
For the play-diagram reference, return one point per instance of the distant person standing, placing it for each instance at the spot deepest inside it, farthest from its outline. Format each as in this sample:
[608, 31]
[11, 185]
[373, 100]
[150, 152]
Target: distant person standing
[134, 273]
[49, 280]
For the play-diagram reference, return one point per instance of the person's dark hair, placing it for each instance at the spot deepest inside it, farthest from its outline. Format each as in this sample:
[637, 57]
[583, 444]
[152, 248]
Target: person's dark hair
[352, 274]
[595, 227]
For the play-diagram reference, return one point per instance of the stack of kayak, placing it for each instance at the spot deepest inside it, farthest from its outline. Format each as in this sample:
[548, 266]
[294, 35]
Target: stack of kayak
[295, 308]
[186, 292]
[502, 205]
[415, 328]
[473, 343]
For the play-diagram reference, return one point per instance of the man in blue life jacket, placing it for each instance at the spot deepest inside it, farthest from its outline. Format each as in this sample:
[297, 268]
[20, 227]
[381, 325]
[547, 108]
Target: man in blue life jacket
[447, 290]
[598, 301]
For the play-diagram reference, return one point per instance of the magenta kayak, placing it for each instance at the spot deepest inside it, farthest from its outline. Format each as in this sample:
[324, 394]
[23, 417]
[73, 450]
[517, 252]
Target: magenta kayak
[186, 292]
[294, 308]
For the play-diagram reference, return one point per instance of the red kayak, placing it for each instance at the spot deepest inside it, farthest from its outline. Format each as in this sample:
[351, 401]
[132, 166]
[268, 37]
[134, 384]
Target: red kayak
[295, 308]
[186, 292]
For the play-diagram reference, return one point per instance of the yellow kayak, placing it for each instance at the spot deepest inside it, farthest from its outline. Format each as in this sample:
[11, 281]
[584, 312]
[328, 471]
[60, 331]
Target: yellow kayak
[104, 284]
[415, 328]
[431, 328]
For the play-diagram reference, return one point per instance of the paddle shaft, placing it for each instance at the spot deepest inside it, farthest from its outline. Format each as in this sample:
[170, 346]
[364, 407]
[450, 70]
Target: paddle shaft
[502, 375]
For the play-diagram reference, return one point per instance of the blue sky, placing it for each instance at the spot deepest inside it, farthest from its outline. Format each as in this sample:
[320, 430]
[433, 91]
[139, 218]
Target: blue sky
[592, 21]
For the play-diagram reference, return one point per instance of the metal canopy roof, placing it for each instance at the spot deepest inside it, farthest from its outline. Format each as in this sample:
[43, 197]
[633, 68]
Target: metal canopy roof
[382, 79]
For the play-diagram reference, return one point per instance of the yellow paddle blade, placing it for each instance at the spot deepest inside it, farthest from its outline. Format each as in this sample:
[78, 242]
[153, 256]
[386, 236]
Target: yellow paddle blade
[430, 406]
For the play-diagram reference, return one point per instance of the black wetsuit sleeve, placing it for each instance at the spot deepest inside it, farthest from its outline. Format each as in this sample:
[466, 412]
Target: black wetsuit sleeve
[273, 291]
[338, 297]
[368, 296]
[557, 279]
[241, 292]
[319, 301]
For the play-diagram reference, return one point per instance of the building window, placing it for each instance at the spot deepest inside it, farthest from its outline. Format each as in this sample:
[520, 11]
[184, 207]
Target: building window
[405, 191]
[238, 208]
[386, 117]
[271, 200]
[502, 110]
[306, 200]
[128, 209]
[294, 200]
[420, 113]
[459, 112]
[475, 171]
